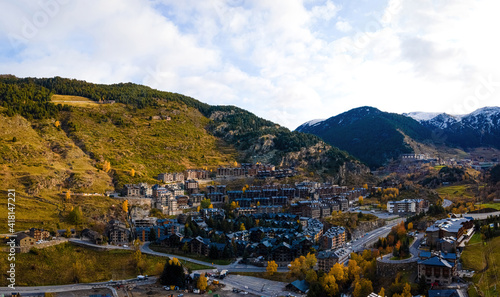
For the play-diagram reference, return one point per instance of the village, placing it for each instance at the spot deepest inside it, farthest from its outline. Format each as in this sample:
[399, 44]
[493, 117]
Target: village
[277, 223]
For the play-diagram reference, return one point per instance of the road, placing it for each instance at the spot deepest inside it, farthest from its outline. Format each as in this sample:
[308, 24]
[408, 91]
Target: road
[76, 287]
[98, 246]
[255, 285]
[234, 267]
[360, 244]
[414, 251]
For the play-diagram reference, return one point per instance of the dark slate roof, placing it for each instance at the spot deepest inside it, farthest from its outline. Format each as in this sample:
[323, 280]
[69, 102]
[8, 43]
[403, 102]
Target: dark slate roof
[301, 285]
[445, 293]
[437, 261]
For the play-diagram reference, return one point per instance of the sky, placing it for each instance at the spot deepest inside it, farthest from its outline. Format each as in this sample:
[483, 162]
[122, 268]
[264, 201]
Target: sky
[288, 61]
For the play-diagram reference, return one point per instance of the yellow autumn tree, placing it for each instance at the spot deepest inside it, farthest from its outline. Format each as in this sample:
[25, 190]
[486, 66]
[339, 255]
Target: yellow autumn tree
[125, 206]
[338, 272]
[68, 195]
[330, 285]
[57, 124]
[360, 200]
[272, 267]
[211, 205]
[132, 172]
[106, 167]
[310, 260]
[311, 276]
[202, 283]
[362, 287]
[242, 227]
[382, 292]
[410, 226]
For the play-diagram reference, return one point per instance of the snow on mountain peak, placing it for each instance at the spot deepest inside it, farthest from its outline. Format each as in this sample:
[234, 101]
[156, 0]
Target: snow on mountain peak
[421, 116]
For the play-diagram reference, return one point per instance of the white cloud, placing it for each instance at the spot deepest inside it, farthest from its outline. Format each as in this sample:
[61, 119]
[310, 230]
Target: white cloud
[343, 26]
[286, 60]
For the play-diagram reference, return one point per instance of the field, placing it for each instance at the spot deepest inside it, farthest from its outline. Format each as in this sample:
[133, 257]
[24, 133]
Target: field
[73, 101]
[456, 193]
[489, 205]
[484, 259]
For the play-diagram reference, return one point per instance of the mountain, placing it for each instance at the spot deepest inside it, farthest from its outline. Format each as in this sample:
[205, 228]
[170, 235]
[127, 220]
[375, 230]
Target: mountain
[57, 133]
[376, 137]
[479, 128]
[369, 134]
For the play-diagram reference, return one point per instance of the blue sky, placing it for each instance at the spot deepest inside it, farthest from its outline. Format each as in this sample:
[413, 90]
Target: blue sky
[288, 61]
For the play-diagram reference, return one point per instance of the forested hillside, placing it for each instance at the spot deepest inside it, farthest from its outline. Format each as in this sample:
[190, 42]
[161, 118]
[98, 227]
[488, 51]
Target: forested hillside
[369, 134]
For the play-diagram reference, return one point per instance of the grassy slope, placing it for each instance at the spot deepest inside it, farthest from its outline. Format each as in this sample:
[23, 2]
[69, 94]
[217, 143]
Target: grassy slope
[45, 160]
[37, 166]
[56, 265]
[76, 101]
[474, 257]
[456, 191]
[147, 146]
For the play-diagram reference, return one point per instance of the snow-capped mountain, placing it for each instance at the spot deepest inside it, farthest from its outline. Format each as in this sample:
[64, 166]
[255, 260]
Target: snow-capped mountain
[421, 116]
[310, 123]
[375, 136]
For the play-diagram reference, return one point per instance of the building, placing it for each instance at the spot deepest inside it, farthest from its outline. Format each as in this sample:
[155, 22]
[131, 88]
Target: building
[191, 186]
[333, 238]
[23, 240]
[406, 206]
[447, 293]
[326, 259]
[39, 234]
[92, 236]
[454, 229]
[437, 270]
[131, 191]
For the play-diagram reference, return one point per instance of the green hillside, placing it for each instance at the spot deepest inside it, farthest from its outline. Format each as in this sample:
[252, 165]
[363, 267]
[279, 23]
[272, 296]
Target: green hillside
[369, 134]
[55, 136]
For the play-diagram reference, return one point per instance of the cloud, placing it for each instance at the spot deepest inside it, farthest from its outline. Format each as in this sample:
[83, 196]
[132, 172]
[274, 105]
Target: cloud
[288, 61]
[343, 26]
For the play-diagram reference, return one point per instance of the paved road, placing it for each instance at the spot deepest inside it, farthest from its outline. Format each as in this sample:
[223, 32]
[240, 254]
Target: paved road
[414, 251]
[99, 246]
[482, 216]
[235, 267]
[360, 244]
[254, 285]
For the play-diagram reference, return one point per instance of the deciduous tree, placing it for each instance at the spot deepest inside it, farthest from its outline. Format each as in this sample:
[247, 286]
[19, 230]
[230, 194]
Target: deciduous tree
[272, 267]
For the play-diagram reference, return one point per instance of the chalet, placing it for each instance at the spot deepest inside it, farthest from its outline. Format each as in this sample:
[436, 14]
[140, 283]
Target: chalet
[459, 229]
[282, 254]
[437, 270]
[24, 240]
[39, 234]
[200, 246]
[117, 232]
[131, 191]
[92, 236]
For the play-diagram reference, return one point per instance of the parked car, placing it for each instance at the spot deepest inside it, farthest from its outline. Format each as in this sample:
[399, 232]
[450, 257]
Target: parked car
[244, 292]
[196, 291]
